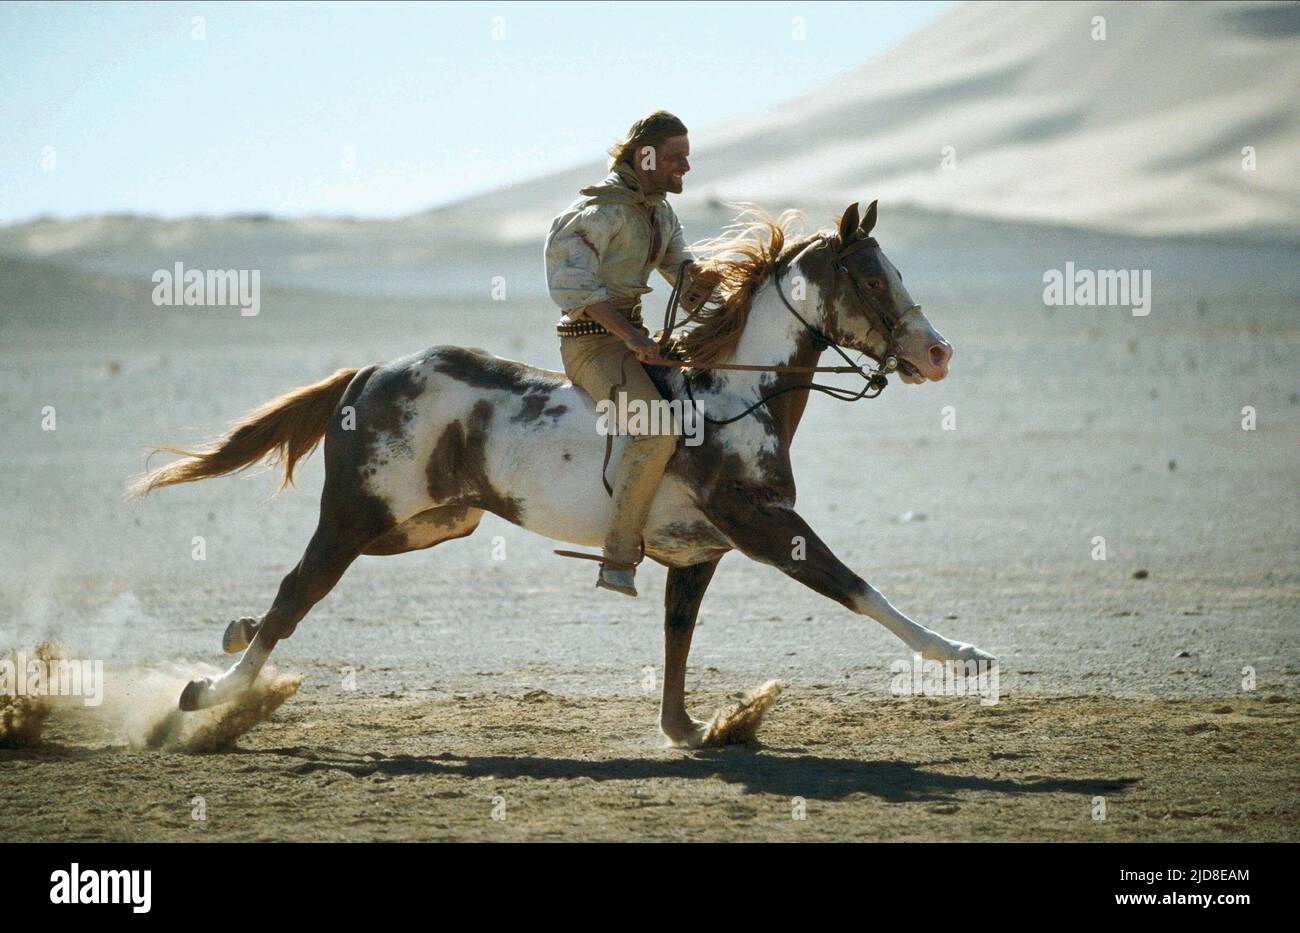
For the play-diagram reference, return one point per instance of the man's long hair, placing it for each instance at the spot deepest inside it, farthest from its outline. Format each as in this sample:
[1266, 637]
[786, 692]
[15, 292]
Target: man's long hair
[650, 130]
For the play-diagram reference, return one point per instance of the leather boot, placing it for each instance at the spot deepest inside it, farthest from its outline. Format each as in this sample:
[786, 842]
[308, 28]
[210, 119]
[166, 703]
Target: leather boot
[639, 475]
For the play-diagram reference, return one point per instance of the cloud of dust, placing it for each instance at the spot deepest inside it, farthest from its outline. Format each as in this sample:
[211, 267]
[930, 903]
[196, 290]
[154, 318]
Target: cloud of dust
[139, 697]
[140, 708]
[738, 723]
[142, 701]
[22, 716]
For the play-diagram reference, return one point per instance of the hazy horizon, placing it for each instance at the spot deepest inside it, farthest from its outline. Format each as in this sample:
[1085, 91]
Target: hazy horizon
[270, 109]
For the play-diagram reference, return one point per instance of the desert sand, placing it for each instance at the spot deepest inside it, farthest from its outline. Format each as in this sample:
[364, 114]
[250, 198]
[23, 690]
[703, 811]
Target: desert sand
[1163, 679]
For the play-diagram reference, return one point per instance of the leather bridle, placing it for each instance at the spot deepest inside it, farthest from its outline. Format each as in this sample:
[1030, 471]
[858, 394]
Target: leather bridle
[874, 380]
[883, 325]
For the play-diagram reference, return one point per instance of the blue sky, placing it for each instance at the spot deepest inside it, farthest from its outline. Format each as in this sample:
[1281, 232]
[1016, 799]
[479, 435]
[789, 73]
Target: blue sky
[377, 109]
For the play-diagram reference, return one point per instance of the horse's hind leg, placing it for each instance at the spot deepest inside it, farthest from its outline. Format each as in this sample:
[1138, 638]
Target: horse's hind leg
[433, 526]
[340, 537]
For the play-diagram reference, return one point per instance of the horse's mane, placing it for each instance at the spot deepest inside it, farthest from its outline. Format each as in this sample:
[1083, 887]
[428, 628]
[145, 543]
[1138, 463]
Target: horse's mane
[744, 255]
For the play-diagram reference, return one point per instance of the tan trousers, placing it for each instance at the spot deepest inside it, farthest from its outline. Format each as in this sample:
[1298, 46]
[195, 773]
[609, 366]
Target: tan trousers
[597, 363]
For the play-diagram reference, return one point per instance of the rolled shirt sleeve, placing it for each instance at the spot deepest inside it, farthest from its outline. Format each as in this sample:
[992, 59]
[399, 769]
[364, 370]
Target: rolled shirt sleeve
[676, 253]
[574, 250]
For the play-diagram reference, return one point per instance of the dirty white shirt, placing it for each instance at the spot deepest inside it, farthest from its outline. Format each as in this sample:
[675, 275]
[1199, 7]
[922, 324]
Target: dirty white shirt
[603, 247]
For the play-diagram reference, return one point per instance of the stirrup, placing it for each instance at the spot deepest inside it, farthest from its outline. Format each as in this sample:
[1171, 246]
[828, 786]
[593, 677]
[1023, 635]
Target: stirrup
[621, 578]
[613, 564]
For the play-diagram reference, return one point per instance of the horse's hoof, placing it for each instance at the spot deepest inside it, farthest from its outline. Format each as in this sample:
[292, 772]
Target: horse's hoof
[192, 695]
[957, 651]
[971, 653]
[239, 635]
[685, 736]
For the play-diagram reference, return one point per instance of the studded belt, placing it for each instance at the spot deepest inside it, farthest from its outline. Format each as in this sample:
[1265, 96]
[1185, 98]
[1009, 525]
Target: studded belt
[583, 328]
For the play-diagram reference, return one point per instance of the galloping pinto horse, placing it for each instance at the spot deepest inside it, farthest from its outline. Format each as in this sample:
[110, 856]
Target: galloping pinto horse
[417, 449]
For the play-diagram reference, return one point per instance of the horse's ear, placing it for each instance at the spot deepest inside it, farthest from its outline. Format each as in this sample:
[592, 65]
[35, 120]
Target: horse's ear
[849, 224]
[869, 221]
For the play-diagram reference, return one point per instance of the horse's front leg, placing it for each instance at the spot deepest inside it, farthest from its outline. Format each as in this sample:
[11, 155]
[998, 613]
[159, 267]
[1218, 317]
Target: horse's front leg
[682, 597]
[776, 535]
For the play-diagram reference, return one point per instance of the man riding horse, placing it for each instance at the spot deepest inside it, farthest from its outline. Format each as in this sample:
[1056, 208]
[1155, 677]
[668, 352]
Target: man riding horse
[419, 448]
[599, 256]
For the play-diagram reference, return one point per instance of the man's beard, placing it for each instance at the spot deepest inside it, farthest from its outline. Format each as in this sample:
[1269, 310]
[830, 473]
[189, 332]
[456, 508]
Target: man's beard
[670, 184]
[665, 185]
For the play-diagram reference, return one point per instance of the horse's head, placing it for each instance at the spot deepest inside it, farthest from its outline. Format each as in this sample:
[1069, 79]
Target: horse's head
[869, 309]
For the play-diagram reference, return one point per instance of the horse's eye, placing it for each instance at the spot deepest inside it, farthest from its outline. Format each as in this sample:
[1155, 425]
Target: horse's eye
[875, 284]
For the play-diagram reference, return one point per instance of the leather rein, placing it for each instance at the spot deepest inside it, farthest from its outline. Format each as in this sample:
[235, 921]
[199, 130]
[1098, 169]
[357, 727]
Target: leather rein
[874, 380]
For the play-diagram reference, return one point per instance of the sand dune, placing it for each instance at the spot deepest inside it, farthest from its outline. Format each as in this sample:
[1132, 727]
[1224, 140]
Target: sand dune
[1140, 133]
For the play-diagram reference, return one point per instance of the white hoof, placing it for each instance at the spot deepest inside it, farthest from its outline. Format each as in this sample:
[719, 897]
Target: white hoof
[239, 635]
[195, 695]
[206, 692]
[956, 651]
[691, 736]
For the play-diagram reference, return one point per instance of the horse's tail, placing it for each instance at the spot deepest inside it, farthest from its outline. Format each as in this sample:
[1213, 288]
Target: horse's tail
[287, 428]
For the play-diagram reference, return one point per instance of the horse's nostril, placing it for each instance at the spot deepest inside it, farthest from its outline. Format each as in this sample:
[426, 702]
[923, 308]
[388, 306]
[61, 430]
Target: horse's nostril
[940, 354]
